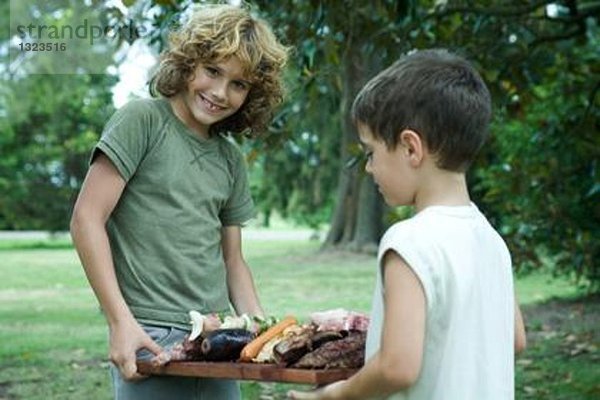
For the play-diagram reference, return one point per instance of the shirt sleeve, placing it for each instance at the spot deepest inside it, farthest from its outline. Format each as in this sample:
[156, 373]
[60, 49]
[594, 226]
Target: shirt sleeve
[415, 252]
[126, 137]
[239, 207]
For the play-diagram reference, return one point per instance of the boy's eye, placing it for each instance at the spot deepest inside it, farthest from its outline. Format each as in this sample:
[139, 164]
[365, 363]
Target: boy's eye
[363, 157]
[240, 85]
[210, 71]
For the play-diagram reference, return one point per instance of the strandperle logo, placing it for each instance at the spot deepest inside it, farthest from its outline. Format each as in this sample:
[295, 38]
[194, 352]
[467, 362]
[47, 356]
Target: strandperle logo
[66, 37]
[86, 31]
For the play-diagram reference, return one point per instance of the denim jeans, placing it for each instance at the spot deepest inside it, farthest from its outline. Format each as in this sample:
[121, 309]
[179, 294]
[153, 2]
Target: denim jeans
[171, 387]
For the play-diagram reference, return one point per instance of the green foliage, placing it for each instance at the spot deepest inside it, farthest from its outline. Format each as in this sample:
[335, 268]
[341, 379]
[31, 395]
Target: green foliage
[553, 160]
[50, 121]
[539, 178]
[53, 122]
[48, 127]
[310, 132]
[299, 157]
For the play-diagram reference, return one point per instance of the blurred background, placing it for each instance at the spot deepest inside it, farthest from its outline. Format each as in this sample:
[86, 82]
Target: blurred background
[537, 180]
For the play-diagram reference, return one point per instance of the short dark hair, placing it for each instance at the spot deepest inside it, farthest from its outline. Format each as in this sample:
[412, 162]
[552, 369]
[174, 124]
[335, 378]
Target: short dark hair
[437, 94]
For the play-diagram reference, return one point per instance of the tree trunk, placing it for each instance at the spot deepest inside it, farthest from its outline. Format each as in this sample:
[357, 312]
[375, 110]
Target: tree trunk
[369, 224]
[356, 223]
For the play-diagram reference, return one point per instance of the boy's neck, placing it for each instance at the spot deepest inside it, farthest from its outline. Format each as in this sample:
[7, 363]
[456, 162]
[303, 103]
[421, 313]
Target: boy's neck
[442, 188]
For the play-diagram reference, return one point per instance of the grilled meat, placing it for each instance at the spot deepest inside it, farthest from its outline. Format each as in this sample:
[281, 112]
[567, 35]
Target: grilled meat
[343, 353]
[291, 348]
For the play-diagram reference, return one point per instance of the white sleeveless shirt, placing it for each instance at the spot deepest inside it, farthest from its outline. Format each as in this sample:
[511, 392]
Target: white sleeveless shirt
[465, 269]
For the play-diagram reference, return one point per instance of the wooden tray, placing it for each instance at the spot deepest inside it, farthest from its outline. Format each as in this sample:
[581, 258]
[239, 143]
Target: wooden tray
[247, 371]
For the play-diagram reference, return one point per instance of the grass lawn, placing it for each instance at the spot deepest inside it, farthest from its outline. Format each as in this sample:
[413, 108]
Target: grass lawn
[54, 337]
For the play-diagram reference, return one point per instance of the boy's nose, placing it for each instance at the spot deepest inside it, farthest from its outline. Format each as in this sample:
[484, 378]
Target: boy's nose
[219, 91]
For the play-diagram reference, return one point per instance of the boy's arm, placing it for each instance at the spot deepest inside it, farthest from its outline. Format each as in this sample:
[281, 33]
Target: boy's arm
[99, 194]
[240, 283]
[397, 364]
[520, 335]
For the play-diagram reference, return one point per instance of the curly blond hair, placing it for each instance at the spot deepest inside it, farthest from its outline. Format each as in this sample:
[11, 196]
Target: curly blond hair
[213, 34]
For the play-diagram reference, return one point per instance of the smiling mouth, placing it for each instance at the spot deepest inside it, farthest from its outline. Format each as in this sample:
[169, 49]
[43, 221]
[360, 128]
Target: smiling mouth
[209, 104]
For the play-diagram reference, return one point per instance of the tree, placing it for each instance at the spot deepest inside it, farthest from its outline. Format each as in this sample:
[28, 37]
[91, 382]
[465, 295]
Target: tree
[537, 181]
[54, 121]
[335, 55]
[51, 122]
[534, 56]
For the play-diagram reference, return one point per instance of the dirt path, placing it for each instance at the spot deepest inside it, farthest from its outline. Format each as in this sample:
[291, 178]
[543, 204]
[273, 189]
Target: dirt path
[577, 316]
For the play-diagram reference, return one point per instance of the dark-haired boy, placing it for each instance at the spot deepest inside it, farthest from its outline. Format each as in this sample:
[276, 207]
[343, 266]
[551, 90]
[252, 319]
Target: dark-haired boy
[444, 323]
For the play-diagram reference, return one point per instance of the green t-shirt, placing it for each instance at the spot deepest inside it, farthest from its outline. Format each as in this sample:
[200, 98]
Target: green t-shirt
[165, 231]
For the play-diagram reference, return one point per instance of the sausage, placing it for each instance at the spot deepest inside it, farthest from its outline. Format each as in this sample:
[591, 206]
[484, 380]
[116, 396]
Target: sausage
[251, 350]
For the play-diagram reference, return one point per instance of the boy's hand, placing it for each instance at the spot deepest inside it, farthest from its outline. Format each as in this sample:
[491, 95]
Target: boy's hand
[330, 392]
[125, 340]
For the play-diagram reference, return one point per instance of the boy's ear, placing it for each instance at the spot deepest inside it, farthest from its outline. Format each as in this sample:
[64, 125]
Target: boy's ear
[411, 143]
